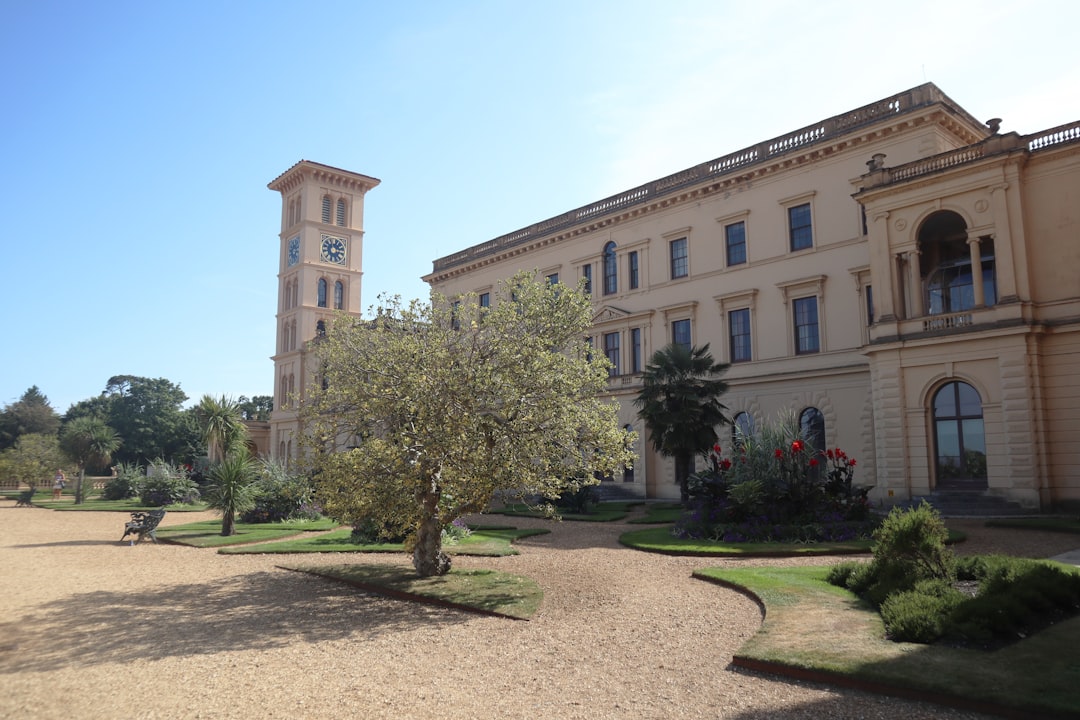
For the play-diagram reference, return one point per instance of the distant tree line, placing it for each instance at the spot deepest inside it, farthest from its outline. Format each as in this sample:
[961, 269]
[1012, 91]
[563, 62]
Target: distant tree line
[144, 420]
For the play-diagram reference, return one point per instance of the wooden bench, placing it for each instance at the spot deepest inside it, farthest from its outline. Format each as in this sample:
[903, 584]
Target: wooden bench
[141, 525]
[24, 499]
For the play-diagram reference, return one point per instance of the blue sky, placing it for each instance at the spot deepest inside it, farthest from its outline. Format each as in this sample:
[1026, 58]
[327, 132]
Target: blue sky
[139, 138]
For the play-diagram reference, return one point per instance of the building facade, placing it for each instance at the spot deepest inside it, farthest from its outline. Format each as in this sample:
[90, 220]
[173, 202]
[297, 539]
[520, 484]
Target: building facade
[901, 277]
[319, 272]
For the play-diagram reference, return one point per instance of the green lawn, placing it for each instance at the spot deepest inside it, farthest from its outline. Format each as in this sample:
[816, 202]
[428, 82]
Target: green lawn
[816, 628]
[656, 513]
[208, 532]
[493, 541]
[486, 591]
[660, 540]
[95, 503]
[603, 512]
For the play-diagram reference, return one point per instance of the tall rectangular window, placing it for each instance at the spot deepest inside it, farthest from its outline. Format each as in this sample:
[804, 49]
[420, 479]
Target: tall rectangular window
[680, 261]
[799, 227]
[586, 274]
[553, 279]
[735, 243]
[680, 333]
[632, 262]
[869, 305]
[806, 325]
[635, 350]
[611, 350]
[739, 334]
[485, 300]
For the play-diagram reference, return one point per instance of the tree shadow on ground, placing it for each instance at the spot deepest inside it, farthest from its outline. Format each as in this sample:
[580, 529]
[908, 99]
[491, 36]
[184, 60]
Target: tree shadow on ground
[263, 610]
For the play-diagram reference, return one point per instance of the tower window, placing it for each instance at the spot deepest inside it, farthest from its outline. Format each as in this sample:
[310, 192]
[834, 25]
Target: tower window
[341, 212]
[326, 209]
[322, 292]
[339, 295]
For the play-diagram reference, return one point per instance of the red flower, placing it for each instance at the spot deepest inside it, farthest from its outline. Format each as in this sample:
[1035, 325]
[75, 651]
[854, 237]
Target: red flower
[828, 454]
[813, 462]
[716, 448]
[779, 453]
[851, 462]
[797, 446]
[725, 464]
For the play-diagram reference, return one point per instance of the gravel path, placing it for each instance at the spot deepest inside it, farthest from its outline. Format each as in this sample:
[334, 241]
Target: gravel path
[96, 629]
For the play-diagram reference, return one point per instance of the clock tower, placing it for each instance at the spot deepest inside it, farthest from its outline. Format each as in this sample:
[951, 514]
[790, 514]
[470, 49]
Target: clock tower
[319, 270]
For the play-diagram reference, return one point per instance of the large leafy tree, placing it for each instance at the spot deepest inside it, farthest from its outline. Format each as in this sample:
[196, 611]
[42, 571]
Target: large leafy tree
[33, 459]
[147, 413]
[680, 404]
[31, 413]
[89, 442]
[428, 411]
[257, 407]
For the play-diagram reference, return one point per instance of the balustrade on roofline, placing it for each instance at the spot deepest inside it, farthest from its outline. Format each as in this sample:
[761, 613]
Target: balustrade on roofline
[732, 162]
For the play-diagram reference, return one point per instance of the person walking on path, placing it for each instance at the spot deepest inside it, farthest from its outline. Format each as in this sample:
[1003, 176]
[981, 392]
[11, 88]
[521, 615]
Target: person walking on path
[58, 484]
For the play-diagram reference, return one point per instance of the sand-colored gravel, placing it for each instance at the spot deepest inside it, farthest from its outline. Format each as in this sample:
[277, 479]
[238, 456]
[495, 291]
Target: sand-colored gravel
[97, 629]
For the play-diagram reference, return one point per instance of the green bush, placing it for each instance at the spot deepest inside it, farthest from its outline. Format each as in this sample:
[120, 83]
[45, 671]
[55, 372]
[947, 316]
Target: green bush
[126, 484]
[167, 484]
[280, 495]
[921, 614]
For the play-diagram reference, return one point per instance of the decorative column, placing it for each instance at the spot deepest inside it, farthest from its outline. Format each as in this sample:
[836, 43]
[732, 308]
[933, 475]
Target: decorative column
[976, 272]
[915, 292]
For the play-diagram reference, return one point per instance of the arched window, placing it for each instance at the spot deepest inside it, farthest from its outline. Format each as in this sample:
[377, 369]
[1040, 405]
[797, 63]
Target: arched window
[339, 295]
[341, 212]
[611, 270]
[326, 209]
[742, 427]
[322, 292]
[628, 470]
[292, 335]
[283, 395]
[292, 384]
[812, 426]
[959, 439]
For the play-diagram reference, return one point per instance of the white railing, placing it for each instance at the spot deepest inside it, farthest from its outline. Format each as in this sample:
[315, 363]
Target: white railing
[937, 323]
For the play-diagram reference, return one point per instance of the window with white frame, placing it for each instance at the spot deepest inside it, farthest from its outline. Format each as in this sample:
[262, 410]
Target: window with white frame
[739, 335]
[636, 365]
[633, 273]
[735, 243]
[800, 227]
[680, 258]
[611, 270]
[805, 313]
[681, 333]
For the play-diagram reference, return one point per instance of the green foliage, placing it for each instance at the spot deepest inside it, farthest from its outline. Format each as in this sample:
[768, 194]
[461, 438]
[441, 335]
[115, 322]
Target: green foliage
[913, 542]
[30, 414]
[257, 408]
[126, 484]
[33, 460]
[147, 414]
[921, 614]
[89, 442]
[221, 426]
[281, 494]
[776, 488]
[581, 501]
[232, 488]
[441, 412]
[167, 484]
[680, 404]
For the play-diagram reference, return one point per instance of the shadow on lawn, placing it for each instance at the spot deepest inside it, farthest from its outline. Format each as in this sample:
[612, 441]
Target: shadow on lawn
[263, 610]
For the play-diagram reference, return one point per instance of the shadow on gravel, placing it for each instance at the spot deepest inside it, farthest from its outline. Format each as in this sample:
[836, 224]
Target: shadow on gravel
[263, 610]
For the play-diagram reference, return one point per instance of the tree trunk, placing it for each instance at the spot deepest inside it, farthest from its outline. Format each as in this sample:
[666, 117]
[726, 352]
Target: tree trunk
[428, 556]
[79, 486]
[228, 524]
[683, 462]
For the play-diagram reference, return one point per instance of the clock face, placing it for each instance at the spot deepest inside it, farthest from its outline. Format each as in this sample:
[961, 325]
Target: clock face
[333, 249]
[294, 251]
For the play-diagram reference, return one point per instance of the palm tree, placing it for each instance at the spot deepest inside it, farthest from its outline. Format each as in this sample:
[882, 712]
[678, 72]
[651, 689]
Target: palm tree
[679, 402]
[88, 441]
[232, 488]
[222, 426]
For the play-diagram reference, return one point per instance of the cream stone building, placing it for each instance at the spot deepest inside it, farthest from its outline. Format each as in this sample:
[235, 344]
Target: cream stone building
[902, 277]
[319, 271]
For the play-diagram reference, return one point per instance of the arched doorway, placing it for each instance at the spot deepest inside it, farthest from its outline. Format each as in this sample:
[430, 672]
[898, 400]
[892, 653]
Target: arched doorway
[946, 258]
[959, 437]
